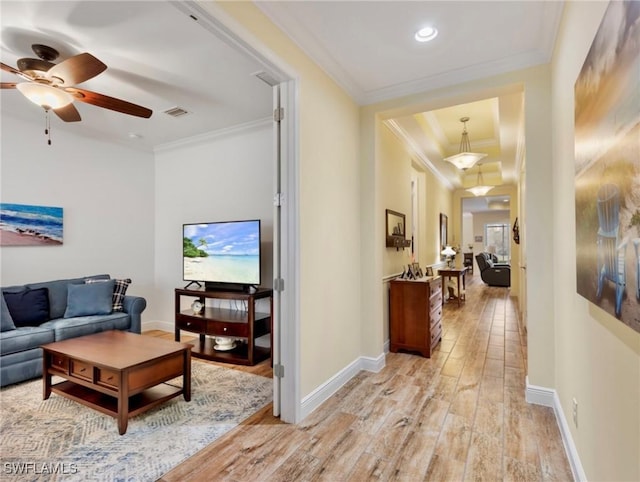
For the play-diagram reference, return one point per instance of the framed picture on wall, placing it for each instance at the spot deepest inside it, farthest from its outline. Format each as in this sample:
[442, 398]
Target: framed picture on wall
[443, 231]
[478, 239]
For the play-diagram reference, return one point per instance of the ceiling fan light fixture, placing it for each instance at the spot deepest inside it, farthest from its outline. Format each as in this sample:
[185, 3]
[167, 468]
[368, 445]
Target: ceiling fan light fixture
[465, 159]
[44, 95]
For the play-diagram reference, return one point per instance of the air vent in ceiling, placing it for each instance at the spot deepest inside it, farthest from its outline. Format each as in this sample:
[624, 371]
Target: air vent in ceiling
[267, 78]
[176, 112]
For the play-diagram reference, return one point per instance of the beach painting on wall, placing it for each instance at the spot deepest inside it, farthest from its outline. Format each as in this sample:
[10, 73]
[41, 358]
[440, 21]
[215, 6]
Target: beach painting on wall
[607, 166]
[27, 225]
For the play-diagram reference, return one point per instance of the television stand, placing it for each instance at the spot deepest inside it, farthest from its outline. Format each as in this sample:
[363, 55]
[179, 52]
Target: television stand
[241, 325]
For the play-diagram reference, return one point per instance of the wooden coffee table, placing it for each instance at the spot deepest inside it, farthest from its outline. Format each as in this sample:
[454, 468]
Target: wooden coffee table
[118, 373]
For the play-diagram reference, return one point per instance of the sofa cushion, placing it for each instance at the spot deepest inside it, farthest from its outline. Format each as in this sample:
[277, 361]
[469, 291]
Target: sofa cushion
[58, 292]
[89, 299]
[25, 338]
[6, 322]
[65, 328]
[119, 291]
[28, 307]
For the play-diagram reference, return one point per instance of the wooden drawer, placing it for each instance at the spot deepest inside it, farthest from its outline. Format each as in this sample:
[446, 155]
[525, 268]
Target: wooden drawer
[82, 370]
[60, 363]
[227, 329]
[436, 333]
[107, 378]
[435, 286]
[191, 324]
[435, 300]
[435, 316]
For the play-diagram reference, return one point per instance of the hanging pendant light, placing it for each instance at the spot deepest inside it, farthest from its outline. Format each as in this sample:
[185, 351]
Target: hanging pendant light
[465, 158]
[480, 189]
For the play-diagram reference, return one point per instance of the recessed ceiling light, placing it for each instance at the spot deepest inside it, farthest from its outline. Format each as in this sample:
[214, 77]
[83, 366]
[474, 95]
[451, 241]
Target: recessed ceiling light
[425, 34]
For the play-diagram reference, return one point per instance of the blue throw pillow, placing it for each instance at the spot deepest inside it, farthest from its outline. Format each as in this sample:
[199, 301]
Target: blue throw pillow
[6, 322]
[89, 299]
[28, 307]
[119, 291]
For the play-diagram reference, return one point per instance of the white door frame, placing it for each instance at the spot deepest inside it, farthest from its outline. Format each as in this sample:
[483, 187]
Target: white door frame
[287, 327]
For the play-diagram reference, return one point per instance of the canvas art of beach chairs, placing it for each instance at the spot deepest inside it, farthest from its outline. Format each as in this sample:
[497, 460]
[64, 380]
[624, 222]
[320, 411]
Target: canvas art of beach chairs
[611, 249]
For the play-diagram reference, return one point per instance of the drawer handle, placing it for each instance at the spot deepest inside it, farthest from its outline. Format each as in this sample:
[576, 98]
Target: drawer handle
[110, 378]
[224, 329]
[188, 323]
[83, 370]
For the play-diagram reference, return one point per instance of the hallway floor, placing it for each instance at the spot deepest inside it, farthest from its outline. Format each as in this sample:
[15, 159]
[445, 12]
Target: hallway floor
[460, 415]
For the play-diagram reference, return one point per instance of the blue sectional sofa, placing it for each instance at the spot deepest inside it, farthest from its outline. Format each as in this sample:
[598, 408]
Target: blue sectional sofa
[58, 310]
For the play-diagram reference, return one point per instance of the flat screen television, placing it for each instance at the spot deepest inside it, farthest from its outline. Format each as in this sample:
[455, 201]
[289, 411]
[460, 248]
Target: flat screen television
[223, 255]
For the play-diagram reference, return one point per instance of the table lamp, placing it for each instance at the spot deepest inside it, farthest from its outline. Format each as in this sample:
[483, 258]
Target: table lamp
[448, 252]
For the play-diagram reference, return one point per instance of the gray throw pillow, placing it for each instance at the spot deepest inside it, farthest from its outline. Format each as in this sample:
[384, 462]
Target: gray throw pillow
[89, 299]
[6, 322]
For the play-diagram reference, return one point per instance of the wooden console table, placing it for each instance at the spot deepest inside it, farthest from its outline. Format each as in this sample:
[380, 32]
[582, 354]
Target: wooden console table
[459, 274]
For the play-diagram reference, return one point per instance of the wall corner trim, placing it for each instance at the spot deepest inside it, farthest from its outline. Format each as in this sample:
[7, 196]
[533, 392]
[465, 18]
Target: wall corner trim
[548, 397]
[331, 386]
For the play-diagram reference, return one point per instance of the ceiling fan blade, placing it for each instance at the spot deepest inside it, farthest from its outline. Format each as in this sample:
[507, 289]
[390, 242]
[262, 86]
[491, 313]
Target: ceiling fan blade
[8, 68]
[107, 102]
[8, 85]
[76, 69]
[68, 113]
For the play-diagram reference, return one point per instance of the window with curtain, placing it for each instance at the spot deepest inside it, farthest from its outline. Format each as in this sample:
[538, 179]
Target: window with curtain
[498, 241]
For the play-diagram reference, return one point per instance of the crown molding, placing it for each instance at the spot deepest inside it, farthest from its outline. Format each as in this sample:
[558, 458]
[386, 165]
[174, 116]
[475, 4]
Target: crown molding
[209, 136]
[416, 151]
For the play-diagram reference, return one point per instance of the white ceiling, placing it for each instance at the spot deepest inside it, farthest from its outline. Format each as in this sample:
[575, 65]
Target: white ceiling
[160, 58]
[368, 47]
[157, 57]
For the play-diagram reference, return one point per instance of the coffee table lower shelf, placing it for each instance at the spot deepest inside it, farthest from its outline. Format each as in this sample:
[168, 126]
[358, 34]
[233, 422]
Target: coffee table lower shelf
[107, 404]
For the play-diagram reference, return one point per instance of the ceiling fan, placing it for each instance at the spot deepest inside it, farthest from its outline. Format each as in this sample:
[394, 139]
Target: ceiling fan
[52, 86]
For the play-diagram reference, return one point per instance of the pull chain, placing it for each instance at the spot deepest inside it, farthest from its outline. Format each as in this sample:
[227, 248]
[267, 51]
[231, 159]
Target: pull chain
[47, 126]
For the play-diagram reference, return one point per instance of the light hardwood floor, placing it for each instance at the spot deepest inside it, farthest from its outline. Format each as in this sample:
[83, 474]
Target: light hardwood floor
[460, 415]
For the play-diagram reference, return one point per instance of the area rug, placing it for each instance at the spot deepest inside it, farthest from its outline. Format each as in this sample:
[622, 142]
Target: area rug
[58, 439]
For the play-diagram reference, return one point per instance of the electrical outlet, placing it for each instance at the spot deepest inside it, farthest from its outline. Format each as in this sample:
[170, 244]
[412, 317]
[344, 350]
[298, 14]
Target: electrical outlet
[575, 412]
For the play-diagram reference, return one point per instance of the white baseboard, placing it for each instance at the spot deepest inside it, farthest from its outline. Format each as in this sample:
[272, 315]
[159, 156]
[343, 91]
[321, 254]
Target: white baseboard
[539, 395]
[548, 397]
[331, 386]
[158, 325]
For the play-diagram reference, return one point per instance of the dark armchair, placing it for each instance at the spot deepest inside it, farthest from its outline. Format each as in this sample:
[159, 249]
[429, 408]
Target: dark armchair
[492, 273]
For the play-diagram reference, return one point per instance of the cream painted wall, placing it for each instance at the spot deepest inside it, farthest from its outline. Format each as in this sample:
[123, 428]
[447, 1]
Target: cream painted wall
[396, 169]
[106, 192]
[597, 358]
[329, 207]
[224, 178]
